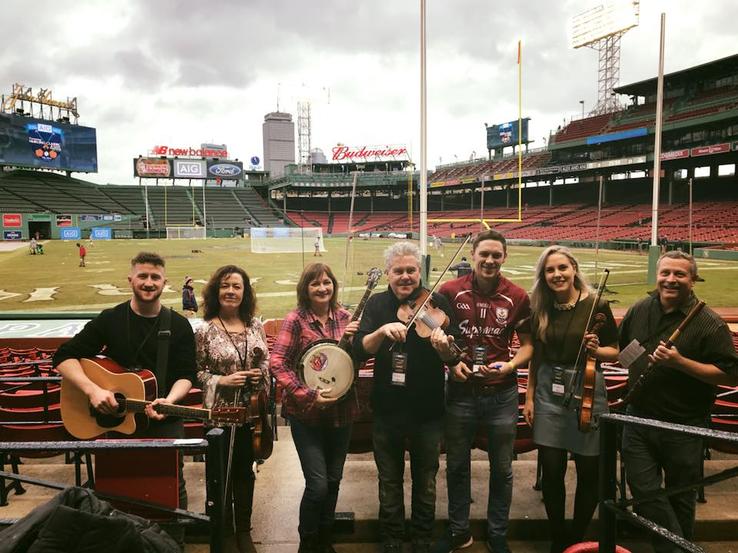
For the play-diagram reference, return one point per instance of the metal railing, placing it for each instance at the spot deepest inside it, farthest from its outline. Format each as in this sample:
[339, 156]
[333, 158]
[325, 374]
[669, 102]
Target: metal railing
[611, 509]
[214, 469]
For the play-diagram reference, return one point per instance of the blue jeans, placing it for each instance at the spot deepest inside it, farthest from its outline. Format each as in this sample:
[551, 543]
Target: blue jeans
[390, 436]
[465, 411]
[322, 451]
[652, 456]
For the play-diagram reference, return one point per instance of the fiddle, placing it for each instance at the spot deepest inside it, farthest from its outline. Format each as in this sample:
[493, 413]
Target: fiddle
[262, 437]
[426, 316]
[589, 375]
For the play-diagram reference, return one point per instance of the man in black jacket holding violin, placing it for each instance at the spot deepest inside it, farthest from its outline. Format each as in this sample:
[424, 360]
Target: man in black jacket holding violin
[407, 397]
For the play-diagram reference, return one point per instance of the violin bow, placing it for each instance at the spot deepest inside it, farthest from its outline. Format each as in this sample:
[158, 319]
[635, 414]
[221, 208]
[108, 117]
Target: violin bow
[438, 281]
[598, 297]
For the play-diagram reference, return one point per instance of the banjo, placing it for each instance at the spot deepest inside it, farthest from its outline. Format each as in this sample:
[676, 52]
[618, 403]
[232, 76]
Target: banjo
[327, 363]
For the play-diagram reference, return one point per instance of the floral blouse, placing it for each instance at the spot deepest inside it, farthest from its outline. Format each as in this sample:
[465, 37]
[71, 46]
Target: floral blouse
[217, 356]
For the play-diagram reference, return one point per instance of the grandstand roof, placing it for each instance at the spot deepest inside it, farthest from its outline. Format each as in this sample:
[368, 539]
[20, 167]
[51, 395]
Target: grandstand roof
[696, 73]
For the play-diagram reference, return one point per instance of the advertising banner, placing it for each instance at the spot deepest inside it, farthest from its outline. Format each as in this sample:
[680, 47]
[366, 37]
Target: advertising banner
[101, 233]
[190, 168]
[37, 143]
[70, 233]
[709, 150]
[12, 220]
[11, 235]
[152, 167]
[675, 154]
[225, 169]
[63, 220]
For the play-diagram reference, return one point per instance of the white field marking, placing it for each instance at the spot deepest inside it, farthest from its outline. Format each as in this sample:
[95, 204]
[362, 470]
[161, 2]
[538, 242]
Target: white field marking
[7, 295]
[18, 327]
[42, 294]
[95, 262]
[110, 290]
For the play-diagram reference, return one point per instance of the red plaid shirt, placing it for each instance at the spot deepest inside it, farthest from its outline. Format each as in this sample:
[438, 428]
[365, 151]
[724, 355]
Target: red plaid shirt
[301, 328]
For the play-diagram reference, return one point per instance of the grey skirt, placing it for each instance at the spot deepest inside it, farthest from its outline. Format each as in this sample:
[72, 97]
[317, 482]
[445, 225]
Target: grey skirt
[557, 426]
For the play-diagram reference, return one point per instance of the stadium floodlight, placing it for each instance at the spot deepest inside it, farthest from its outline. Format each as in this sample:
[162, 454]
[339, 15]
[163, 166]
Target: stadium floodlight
[601, 29]
[614, 17]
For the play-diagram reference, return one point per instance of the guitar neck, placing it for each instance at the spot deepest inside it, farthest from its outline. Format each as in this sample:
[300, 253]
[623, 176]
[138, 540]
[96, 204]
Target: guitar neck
[138, 406]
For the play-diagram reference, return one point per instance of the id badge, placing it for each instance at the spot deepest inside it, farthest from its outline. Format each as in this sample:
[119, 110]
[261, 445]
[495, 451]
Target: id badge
[399, 366]
[630, 354]
[480, 358]
[557, 382]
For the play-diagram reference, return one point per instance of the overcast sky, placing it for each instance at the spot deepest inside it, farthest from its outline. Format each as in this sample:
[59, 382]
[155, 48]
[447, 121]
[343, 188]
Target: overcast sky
[182, 72]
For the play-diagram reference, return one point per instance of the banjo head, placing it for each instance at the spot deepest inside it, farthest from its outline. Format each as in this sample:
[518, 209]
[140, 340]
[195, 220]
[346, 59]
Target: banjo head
[326, 365]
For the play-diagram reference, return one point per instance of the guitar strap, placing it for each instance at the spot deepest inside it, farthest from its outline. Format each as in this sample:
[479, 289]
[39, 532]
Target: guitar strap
[162, 348]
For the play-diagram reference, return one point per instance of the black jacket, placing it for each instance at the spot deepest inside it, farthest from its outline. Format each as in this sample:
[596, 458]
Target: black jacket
[77, 520]
[422, 397]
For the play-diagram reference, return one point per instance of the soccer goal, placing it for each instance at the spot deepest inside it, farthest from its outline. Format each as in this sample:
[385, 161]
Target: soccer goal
[174, 233]
[286, 240]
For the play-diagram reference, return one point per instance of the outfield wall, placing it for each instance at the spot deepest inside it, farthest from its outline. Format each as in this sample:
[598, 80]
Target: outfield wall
[706, 253]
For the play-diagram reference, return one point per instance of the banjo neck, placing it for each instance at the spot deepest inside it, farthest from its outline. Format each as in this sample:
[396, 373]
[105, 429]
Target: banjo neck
[344, 341]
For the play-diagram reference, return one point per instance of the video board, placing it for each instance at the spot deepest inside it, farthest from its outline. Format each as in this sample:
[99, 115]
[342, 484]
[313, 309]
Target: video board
[506, 134]
[41, 144]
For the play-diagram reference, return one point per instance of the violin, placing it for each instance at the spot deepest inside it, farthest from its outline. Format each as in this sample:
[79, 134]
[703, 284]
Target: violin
[262, 437]
[589, 376]
[421, 311]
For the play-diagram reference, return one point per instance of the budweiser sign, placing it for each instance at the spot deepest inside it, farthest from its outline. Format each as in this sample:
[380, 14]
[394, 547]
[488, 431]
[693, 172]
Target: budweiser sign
[369, 153]
[188, 152]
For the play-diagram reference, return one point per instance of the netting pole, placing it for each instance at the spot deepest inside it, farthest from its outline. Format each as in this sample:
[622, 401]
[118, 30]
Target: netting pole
[204, 210]
[348, 238]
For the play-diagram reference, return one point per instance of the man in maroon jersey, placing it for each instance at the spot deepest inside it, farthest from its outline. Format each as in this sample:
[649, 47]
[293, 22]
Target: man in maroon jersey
[483, 389]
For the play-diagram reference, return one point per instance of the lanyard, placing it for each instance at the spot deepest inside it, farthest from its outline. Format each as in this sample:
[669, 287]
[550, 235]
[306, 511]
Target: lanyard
[241, 358]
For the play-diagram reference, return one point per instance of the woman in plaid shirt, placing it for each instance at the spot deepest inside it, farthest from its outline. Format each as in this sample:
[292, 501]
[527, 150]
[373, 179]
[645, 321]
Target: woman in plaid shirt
[321, 426]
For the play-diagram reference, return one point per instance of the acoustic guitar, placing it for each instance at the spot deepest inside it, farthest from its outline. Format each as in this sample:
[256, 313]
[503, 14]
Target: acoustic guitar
[133, 392]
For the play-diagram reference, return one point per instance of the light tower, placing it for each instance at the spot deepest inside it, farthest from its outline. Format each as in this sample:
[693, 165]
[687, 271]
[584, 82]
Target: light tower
[303, 133]
[601, 29]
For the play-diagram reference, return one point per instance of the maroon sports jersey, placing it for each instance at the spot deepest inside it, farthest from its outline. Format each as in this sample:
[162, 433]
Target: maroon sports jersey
[488, 319]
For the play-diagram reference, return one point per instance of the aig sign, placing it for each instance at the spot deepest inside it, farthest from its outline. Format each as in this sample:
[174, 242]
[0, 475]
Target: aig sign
[190, 168]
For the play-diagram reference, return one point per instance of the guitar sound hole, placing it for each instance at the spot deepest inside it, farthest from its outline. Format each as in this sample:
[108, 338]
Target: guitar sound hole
[111, 421]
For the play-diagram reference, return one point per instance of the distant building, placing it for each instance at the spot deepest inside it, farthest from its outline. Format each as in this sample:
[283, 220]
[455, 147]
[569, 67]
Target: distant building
[279, 142]
[317, 156]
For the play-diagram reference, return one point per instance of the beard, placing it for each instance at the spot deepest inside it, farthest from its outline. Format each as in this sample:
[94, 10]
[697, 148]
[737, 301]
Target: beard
[139, 294]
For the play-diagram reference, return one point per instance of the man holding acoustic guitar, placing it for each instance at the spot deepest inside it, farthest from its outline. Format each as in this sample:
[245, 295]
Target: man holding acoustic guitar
[672, 377]
[138, 334]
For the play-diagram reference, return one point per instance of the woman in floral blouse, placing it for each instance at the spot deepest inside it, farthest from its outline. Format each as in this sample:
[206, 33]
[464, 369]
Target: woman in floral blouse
[229, 344]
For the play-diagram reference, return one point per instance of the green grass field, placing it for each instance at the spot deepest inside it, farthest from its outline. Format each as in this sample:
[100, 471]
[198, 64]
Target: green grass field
[53, 282]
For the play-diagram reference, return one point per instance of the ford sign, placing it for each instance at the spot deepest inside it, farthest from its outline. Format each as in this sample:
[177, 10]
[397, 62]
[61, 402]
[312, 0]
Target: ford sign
[224, 170]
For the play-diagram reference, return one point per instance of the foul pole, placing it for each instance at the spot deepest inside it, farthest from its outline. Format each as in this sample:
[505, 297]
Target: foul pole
[423, 235]
[654, 251]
